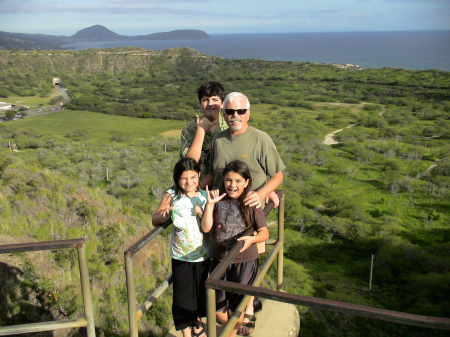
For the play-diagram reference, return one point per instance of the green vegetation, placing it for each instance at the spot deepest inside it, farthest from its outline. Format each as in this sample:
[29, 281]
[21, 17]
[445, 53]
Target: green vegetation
[383, 190]
[96, 127]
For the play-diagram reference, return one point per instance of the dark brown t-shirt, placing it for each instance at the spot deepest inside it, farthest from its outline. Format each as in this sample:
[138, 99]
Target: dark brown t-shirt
[229, 225]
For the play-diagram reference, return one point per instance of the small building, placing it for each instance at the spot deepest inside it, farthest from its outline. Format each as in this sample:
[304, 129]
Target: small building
[5, 106]
[56, 81]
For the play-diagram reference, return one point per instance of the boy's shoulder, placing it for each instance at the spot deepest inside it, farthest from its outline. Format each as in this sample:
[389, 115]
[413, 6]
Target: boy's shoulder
[189, 129]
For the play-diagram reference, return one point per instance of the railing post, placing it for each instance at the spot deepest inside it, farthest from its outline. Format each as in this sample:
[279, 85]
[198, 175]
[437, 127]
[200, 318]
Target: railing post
[131, 291]
[86, 290]
[211, 312]
[280, 281]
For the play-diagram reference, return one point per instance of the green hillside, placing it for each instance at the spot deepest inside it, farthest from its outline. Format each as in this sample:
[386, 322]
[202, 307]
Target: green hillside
[382, 190]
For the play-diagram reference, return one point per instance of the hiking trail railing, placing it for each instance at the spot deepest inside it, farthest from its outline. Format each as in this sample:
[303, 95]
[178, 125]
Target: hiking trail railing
[88, 320]
[134, 314]
[213, 282]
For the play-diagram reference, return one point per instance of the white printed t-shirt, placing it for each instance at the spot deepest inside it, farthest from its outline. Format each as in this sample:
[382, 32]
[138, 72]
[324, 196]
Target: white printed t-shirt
[188, 243]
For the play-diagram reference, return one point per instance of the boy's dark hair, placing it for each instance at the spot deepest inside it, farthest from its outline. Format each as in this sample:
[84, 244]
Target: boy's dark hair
[242, 169]
[209, 89]
[184, 164]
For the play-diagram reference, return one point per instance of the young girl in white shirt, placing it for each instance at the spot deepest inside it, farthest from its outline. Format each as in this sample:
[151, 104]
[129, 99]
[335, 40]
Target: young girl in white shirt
[190, 248]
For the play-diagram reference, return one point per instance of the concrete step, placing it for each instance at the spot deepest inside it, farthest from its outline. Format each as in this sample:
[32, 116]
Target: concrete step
[276, 319]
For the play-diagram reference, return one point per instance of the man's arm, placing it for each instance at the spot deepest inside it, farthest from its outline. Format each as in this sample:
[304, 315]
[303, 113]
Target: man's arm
[254, 198]
[206, 181]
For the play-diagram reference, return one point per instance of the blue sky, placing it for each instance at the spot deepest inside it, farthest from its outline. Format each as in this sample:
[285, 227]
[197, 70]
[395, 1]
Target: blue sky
[140, 17]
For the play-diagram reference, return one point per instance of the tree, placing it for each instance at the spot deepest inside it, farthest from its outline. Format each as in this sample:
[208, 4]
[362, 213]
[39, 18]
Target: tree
[10, 114]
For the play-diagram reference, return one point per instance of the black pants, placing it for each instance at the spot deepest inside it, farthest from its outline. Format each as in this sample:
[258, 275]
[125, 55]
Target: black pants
[189, 293]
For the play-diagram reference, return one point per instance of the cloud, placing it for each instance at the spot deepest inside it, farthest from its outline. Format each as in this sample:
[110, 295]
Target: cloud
[324, 11]
[112, 7]
[409, 2]
[129, 8]
[153, 2]
[315, 15]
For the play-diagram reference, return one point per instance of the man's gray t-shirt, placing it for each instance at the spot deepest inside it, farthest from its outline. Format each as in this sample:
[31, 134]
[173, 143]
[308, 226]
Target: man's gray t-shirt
[254, 147]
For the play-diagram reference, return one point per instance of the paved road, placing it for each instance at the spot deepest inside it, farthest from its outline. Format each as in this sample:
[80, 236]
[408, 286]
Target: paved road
[63, 93]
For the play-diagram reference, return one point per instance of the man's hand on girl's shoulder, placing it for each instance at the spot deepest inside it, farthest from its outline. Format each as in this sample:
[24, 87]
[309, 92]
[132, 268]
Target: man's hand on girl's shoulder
[252, 199]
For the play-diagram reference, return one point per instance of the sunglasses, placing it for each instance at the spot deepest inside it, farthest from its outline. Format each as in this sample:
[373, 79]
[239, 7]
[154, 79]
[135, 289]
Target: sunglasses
[240, 112]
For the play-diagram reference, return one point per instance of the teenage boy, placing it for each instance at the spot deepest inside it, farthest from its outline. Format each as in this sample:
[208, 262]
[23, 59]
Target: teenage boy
[197, 135]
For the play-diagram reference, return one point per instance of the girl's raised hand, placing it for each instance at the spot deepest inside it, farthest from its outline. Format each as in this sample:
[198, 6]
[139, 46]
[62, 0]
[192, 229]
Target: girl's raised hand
[214, 196]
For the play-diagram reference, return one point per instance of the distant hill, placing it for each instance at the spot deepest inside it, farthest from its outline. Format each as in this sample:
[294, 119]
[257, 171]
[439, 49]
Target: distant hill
[97, 33]
[9, 41]
[25, 41]
[101, 33]
[187, 34]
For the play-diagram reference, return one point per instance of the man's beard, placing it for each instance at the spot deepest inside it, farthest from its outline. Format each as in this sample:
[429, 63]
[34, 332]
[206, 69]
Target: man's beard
[237, 127]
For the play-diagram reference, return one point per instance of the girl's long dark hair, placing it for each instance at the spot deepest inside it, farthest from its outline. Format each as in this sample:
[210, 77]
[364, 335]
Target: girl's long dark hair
[242, 169]
[184, 164]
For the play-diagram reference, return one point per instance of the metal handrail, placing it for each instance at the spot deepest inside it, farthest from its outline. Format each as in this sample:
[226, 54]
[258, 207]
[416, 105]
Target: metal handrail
[88, 320]
[346, 308]
[135, 314]
[213, 283]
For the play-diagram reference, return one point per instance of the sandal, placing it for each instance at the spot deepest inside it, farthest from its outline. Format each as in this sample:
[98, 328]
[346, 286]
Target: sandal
[250, 325]
[198, 334]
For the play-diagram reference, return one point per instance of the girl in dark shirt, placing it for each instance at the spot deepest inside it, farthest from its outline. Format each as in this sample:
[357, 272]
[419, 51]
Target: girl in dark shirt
[227, 218]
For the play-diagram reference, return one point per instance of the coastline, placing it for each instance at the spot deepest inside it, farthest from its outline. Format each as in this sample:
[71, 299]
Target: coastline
[420, 50]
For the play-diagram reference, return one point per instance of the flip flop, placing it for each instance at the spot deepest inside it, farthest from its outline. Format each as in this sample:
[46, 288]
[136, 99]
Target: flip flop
[250, 325]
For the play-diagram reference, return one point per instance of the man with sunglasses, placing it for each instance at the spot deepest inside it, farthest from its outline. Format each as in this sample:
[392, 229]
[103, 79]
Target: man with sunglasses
[252, 146]
[197, 135]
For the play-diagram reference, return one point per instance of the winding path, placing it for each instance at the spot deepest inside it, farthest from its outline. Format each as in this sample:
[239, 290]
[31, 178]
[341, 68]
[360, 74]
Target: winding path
[329, 138]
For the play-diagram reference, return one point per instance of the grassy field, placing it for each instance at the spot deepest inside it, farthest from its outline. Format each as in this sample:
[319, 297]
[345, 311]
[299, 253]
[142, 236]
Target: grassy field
[31, 101]
[61, 122]
[67, 121]
[28, 101]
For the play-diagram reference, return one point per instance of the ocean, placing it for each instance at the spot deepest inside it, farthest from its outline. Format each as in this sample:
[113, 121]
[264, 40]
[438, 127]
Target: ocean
[418, 50]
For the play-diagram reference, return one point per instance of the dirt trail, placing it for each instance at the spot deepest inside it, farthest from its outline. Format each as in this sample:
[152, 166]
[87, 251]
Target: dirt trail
[329, 138]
